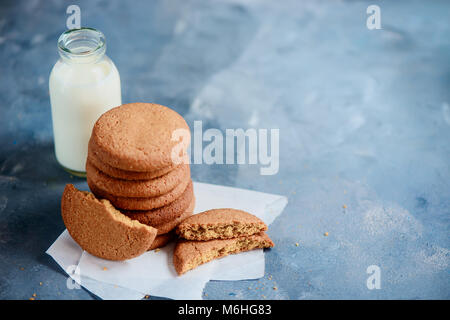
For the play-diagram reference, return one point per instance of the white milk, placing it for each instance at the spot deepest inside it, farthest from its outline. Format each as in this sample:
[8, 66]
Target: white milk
[84, 84]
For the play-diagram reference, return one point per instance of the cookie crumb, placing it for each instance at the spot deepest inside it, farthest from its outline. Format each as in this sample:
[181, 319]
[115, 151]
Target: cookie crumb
[34, 294]
[146, 296]
[326, 234]
[22, 268]
[157, 250]
[40, 283]
[31, 299]
[105, 268]
[296, 244]
[344, 206]
[275, 288]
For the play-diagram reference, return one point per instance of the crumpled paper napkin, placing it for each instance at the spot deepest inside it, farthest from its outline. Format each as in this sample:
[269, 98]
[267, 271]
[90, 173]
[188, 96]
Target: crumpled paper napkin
[153, 273]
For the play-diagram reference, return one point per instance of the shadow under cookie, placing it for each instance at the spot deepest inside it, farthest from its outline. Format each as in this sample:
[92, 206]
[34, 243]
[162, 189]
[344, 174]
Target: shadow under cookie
[162, 240]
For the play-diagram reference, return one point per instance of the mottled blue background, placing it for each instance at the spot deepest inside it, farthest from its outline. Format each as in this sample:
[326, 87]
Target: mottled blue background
[364, 120]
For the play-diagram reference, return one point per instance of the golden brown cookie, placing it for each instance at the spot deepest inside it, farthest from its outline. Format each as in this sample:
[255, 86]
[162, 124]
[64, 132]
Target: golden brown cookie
[190, 254]
[138, 188]
[164, 215]
[161, 240]
[170, 225]
[220, 224]
[124, 174]
[140, 137]
[129, 203]
[102, 230]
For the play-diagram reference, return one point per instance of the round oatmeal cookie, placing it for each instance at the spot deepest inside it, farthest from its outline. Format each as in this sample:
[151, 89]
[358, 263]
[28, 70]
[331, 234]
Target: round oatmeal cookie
[166, 213]
[130, 203]
[141, 137]
[124, 174]
[169, 226]
[137, 188]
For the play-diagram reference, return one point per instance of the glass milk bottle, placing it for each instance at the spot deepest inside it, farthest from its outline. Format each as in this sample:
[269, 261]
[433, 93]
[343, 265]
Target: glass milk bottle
[84, 83]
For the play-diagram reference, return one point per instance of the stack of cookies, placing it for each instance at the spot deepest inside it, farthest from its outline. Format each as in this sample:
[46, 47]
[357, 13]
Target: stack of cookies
[137, 159]
[217, 233]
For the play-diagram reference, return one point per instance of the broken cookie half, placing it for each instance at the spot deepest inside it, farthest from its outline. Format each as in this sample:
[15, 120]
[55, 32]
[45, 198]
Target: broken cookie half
[217, 233]
[102, 230]
[224, 223]
[190, 254]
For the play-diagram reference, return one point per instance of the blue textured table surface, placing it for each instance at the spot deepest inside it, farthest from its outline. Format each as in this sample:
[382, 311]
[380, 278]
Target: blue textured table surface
[364, 118]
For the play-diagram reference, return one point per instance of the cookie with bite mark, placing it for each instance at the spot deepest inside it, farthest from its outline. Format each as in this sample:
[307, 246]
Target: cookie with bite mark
[102, 230]
[190, 254]
[224, 223]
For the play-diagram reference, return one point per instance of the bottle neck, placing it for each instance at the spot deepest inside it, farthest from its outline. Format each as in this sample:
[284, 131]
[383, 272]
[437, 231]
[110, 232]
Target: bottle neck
[82, 46]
